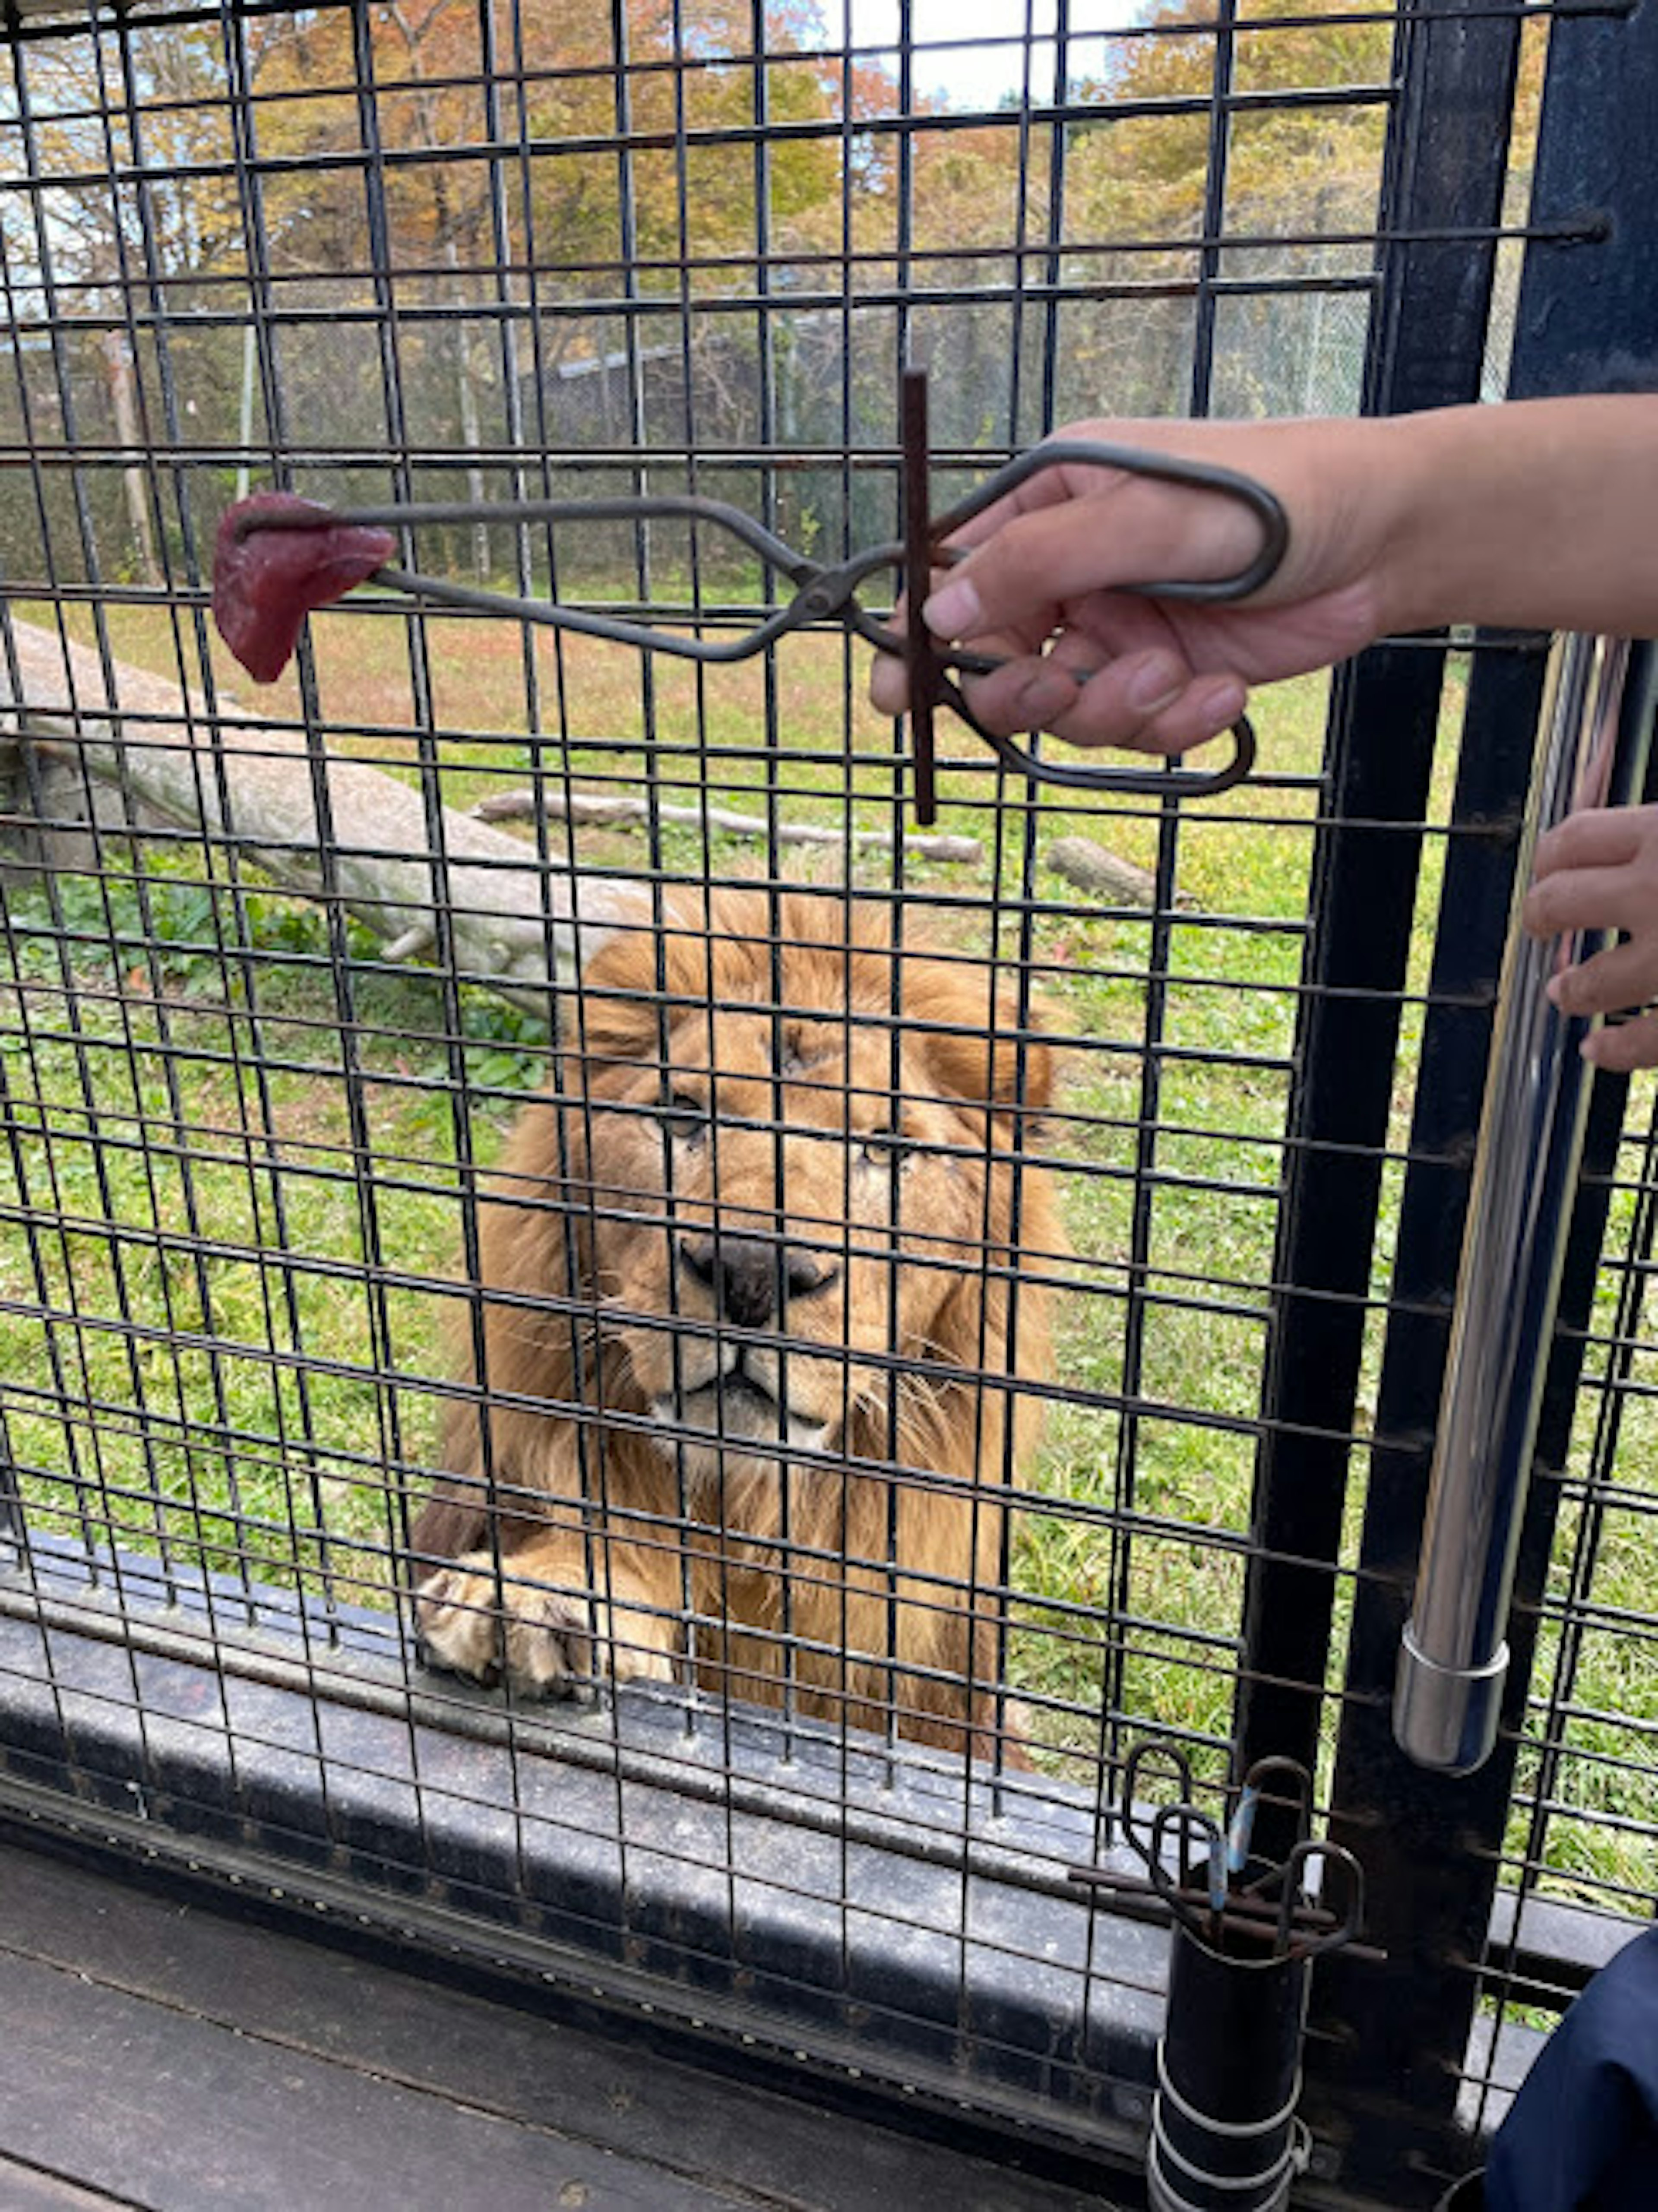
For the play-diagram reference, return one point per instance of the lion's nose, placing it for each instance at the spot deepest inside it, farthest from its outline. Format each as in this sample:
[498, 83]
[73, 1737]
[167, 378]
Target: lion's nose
[742, 1274]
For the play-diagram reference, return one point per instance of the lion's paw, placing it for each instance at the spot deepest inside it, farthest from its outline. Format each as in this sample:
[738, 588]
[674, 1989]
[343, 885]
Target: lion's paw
[542, 1641]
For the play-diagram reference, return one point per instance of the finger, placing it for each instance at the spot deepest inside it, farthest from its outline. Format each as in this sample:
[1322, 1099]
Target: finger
[1204, 710]
[1047, 691]
[1128, 654]
[1024, 693]
[1045, 488]
[1599, 837]
[888, 682]
[1150, 702]
[1032, 691]
[890, 678]
[1127, 705]
[1585, 898]
[1146, 693]
[1055, 486]
[1622, 975]
[1622, 1047]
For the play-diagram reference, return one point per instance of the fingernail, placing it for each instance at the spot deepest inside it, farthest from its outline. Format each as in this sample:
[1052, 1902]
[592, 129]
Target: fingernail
[953, 610]
[1220, 704]
[1047, 696]
[1154, 684]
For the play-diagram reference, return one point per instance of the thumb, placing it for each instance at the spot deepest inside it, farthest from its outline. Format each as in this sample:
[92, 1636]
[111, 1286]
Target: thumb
[1126, 532]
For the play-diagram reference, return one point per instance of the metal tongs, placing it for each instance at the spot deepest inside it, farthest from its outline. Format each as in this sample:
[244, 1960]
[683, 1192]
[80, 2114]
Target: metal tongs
[828, 596]
[1211, 1882]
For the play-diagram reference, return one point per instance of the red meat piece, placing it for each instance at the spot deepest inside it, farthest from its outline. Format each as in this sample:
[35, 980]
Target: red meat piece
[266, 582]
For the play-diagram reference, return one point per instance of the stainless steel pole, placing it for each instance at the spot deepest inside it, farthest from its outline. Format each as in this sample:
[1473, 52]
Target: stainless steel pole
[1593, 737]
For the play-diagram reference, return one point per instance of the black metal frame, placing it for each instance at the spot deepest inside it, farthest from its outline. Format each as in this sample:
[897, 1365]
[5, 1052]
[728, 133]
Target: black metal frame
[1433, 306]
[1583, 316]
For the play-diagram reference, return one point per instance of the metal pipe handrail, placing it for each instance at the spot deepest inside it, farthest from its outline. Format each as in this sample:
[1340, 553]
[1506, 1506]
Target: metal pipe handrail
[1594, 735]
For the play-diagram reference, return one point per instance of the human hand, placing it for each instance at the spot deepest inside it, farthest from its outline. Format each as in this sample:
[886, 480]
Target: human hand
[1599, 871]
[1041, 584]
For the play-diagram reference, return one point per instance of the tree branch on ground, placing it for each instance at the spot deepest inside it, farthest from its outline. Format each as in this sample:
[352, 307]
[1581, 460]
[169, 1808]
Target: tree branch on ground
[595, 807]
[1091, 867]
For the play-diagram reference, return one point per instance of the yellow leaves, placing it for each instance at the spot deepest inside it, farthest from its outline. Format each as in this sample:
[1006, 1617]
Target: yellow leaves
[1292, 167]
[642, 147]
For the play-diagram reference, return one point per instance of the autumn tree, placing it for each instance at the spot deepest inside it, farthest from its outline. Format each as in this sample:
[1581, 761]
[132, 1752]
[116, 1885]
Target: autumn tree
[448, 230]
[1295, 194]
[120, 138]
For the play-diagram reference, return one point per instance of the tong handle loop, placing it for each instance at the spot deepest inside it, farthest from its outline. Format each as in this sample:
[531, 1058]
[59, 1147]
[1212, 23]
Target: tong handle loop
[1141, 783]
[1162, 468]
[1139, 1756]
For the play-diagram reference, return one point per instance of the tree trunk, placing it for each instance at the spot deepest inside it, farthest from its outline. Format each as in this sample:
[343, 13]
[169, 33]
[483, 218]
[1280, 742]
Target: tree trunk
[122, 379]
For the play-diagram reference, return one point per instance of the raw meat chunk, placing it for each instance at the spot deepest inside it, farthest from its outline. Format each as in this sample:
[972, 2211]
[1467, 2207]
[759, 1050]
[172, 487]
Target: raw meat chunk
[266, 582]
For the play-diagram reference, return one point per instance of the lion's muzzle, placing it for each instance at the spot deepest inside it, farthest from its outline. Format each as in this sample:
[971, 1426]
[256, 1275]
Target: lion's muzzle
[751, 1281]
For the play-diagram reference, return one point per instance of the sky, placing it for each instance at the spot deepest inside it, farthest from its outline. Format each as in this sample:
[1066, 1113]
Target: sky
[978, 74]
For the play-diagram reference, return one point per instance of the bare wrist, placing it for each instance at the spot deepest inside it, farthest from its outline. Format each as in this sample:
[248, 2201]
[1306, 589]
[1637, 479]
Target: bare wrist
[1533, 515]
[1446, 521]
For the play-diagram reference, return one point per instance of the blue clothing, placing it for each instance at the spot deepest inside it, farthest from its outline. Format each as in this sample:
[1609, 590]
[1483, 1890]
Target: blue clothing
[1582, 2133]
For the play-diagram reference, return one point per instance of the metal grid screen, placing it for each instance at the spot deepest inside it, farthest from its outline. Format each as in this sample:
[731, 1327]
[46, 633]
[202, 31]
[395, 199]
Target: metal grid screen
[869, 1302]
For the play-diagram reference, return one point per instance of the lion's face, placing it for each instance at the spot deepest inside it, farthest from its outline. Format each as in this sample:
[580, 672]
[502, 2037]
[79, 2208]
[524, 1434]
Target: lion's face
[790, 1209]
[806, 1208]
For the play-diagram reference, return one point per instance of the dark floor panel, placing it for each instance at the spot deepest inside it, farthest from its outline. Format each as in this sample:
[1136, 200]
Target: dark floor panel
[128, 2096]
[178, 2059]
[25, 2189]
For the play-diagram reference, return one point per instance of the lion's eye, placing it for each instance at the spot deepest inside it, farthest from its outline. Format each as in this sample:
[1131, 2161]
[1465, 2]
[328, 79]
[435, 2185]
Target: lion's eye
[684, 1117]
[885, 1148]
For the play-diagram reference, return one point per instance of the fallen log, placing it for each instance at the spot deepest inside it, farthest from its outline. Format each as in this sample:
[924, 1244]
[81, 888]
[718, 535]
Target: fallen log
[332, 830]
[1091, 867]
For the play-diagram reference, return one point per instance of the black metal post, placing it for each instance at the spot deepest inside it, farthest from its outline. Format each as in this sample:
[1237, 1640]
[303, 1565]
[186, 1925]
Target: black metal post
[1389, 2065]
[1224, 2136]
[1433, 304]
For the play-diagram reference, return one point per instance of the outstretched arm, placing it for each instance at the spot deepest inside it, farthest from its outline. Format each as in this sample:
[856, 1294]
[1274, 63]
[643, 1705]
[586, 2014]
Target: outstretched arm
[1535, 515]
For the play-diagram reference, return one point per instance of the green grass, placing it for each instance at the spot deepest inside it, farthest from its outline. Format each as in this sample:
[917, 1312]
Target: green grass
[157, 1098]
[152, 1092]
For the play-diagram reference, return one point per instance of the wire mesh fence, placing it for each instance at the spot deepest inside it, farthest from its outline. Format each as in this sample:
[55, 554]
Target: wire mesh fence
[525, 1174]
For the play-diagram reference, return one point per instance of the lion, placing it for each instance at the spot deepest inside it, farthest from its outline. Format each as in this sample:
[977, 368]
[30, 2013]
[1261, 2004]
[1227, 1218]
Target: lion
[759, 1278]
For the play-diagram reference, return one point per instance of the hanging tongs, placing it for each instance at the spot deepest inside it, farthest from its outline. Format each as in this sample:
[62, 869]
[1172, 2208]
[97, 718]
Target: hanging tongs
[1207, 1877]
[828, 595]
